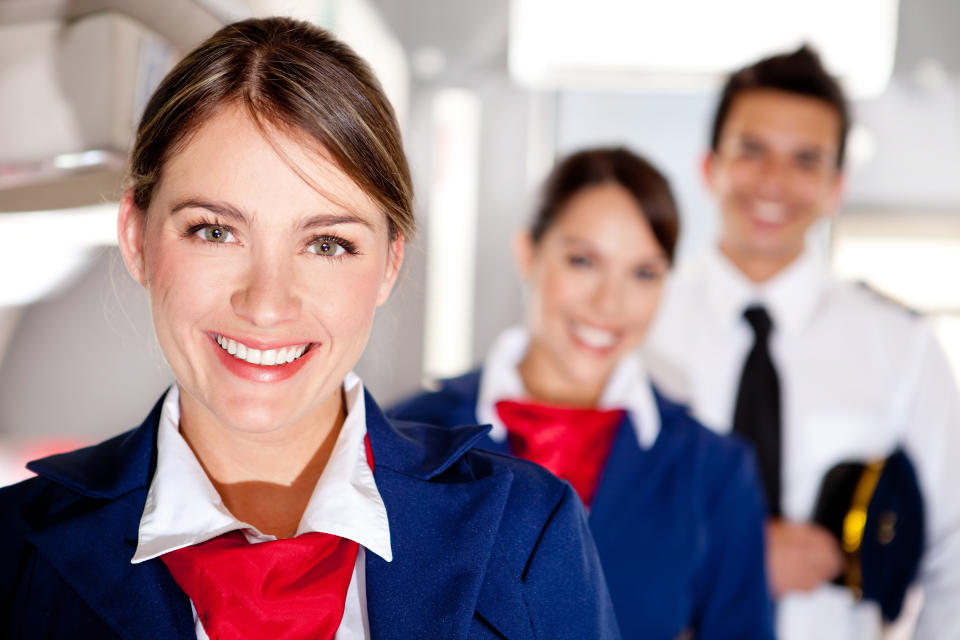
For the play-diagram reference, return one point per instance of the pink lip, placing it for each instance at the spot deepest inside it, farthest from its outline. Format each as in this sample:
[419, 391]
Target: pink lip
[257, 372]
[766, 225]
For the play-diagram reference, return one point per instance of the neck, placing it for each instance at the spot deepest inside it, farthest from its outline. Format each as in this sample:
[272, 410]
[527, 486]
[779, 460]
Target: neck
[758, 268]
[544, 382]
[266, 479]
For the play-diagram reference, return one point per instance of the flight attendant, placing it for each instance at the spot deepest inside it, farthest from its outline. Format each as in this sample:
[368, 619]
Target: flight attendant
[675, 509]
[266, 495]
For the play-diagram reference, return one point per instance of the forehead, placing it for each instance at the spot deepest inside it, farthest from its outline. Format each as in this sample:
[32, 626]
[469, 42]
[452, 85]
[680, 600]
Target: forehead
[607, 215]
[265, 171]
[784, 116]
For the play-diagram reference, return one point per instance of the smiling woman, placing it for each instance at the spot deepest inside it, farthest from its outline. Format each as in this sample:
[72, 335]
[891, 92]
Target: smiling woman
[674, 508]
[266, 495]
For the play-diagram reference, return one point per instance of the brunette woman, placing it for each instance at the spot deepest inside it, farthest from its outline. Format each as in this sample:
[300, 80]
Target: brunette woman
[674, 508]
[266, 495]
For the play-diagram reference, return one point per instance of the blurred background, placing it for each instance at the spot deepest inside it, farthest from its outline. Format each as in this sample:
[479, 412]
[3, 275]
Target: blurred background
[488, 94]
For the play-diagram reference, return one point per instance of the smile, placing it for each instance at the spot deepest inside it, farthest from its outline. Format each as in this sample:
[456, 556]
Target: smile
[593, 337]
[264, 357]
[770, 212]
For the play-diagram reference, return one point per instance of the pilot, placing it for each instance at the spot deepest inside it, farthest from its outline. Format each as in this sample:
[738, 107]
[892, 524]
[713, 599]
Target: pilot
[761, 341]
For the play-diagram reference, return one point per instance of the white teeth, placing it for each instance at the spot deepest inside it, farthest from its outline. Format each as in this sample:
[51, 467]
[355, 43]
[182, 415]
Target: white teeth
[770, 212]
[267, 357]
[593, 337]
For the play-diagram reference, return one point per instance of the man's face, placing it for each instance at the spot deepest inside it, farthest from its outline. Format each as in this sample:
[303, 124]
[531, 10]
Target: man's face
[774, 173]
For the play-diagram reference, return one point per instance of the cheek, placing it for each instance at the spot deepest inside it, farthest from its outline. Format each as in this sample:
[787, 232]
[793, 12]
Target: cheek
[345, 297]
[178, 287]
[644, 303]
[735, 177]
[814, 192]
[563, 288]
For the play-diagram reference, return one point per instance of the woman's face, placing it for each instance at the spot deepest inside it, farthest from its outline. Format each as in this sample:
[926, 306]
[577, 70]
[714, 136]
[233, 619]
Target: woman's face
[595, 280]
[263, 283]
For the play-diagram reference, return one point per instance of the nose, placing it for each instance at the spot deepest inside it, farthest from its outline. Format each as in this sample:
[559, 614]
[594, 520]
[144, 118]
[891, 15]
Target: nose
[608, 295]
[773, 177]
[266, 296]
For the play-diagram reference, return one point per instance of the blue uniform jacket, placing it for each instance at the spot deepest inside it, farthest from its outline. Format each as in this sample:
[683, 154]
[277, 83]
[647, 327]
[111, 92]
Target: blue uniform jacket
[484, 546]
[679, 527]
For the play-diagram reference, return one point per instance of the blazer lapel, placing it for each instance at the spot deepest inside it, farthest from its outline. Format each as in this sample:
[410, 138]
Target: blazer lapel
[92, 555]
[89, 535]
[619, 479]
[443, 524]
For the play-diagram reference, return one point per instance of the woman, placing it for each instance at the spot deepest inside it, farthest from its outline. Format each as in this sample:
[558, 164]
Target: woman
[266, 495]
[674, 509]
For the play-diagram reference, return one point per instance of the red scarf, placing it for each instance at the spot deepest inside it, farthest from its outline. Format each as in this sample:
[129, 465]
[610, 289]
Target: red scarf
[572, 443]
[292, 589]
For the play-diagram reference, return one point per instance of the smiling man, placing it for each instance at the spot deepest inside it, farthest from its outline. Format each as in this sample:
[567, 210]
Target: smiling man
[760, 341]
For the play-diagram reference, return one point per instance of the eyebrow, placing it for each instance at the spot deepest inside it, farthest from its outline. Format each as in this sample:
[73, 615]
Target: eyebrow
[333, 219]
[219, 208]
[233, 213]
[586, 244]
[817, 150]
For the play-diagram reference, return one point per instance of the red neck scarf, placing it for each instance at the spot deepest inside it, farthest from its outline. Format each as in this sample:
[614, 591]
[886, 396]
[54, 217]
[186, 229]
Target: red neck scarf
[572, 443]
[293, 589]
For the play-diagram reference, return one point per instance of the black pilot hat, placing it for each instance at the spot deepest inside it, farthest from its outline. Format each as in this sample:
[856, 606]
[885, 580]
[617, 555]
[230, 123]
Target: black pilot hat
[875, 509]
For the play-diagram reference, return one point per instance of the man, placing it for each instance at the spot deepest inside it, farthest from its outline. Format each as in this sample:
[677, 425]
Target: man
[755, 333]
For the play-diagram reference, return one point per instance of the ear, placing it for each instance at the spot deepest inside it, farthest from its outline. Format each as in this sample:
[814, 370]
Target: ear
[394, 262]
[835, 196]
[523, 251]
[130, 223]
[706, 169]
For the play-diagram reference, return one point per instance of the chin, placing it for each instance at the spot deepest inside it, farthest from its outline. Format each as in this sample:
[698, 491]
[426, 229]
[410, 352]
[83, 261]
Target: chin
[590, 370]
[251, 416]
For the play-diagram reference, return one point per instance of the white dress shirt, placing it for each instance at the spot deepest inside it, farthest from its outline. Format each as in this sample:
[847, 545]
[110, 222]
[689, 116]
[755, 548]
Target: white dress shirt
[859, 375]
[183, 508]
[628, 388]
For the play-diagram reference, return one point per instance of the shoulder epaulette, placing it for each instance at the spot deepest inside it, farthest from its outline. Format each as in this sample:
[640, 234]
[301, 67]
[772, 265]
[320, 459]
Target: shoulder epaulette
[886, 297]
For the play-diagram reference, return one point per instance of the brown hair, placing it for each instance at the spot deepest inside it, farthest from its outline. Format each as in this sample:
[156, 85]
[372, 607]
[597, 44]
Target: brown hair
[593, 167]
[800, 72]
[296, 77]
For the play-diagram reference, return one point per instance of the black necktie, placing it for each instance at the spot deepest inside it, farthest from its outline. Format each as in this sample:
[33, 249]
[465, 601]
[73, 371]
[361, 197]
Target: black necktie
[757, 413]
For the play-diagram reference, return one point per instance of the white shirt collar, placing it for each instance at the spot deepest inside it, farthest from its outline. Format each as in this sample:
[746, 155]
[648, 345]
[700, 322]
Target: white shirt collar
[628, 388]
[183, 508]
[790, 297]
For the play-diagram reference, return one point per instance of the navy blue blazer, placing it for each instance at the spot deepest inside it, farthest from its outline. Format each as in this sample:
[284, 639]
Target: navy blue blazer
[679, 526]
[483, 546]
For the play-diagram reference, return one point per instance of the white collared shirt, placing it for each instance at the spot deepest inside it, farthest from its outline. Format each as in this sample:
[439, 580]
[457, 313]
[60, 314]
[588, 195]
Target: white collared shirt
[628, 388]
[183, 508]
[858, 375]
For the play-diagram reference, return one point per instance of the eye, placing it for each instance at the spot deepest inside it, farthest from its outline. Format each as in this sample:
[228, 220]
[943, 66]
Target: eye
[751, 149]
[648, 274]
[214, 233]
[329, 247]
[576, 260]
[809, 161]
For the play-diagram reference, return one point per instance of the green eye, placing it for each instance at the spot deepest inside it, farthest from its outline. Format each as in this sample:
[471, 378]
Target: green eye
[327, 247]
[215, 234]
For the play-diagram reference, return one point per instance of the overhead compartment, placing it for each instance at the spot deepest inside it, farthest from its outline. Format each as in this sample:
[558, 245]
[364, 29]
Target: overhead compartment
[75, 77]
